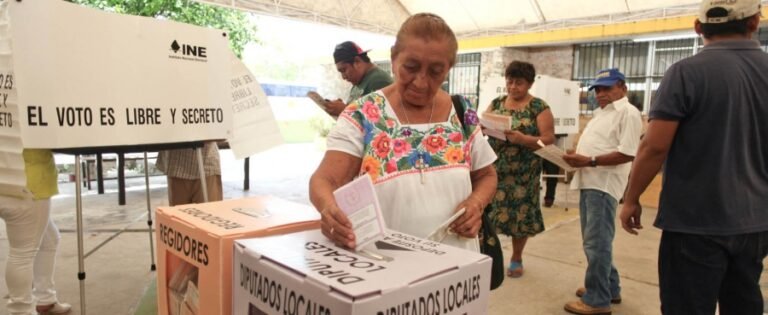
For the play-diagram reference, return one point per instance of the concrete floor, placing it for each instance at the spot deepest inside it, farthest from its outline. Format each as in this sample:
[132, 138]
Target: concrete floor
[118, 264]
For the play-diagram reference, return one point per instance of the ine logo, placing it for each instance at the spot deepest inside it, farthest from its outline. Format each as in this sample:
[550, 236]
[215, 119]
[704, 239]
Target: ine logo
[188, 52]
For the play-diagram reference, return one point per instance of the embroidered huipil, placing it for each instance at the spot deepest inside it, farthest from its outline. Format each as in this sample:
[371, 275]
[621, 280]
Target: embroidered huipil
[391, 153]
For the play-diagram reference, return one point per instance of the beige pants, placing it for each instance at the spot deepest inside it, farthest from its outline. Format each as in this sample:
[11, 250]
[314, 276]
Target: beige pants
[186, 191]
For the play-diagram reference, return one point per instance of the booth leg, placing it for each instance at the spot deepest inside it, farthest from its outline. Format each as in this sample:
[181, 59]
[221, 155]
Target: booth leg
[247, 172]
[87, 174]
[79, 218]
[152, 266]
[566, 191]
[121, 179]
[99, 174]
[84, 171]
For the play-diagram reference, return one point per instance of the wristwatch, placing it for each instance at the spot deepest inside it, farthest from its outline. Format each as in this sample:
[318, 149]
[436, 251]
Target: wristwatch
[593, 162]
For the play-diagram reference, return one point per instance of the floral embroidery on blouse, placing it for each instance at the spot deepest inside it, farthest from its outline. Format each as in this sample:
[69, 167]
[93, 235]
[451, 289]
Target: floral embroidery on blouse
[391, 149]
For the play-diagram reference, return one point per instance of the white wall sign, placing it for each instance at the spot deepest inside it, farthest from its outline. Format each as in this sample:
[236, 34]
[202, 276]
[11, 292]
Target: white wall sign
[254, 126]
[89, 78]
[563, 99]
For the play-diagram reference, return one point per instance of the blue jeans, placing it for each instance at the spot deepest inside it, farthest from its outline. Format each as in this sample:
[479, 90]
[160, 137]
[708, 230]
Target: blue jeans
[696, 272]
[598, 226]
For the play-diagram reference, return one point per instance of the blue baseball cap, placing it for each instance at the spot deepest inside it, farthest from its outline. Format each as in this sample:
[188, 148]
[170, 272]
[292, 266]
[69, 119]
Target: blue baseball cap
[607, 77]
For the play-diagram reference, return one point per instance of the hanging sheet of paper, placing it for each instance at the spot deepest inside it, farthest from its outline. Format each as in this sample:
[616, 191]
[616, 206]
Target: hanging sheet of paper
[254, 126]
[358, 200]
[553, 154]
[13, 181]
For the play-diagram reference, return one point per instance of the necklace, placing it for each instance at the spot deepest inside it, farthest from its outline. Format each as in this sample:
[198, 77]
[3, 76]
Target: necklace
[420, 164]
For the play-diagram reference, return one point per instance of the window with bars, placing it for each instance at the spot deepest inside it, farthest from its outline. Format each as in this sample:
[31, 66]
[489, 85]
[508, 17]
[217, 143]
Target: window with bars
[464, 78]
[762, 36]
[643, 63]
[384, 65]
[630, 57]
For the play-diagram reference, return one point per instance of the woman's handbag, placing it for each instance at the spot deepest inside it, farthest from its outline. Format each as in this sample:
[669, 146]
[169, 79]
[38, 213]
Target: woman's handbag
[491, 246]
[489, 241]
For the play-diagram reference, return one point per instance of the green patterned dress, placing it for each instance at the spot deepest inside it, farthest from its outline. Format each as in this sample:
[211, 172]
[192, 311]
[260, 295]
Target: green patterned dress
[516, 210]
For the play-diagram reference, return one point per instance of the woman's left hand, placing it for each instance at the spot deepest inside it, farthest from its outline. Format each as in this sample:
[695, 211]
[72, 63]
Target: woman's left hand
[468, 224]
[514, 136]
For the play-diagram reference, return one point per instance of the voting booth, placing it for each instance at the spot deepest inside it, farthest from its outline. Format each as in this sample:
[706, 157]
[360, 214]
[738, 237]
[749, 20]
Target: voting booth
[305, 273]
[83, 81]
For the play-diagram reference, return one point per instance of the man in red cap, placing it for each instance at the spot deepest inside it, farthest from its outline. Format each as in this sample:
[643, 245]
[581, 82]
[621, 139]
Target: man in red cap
[356, 68]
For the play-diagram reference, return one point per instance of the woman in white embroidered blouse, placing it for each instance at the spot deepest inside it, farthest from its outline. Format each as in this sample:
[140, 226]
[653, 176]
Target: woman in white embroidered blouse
[424, 162]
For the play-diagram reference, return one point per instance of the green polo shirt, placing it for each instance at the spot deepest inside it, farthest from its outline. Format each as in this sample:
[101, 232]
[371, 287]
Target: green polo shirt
[373, 80]
[42, 176]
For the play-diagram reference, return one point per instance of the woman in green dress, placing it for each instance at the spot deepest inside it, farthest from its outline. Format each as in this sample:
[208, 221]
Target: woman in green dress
[516, 210]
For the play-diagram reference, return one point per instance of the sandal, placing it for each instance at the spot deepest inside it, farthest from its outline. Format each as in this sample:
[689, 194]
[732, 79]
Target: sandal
[54, 309]
[515, 269]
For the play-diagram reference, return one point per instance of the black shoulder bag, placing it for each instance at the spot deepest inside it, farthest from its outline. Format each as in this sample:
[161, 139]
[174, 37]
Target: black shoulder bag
[489, 241]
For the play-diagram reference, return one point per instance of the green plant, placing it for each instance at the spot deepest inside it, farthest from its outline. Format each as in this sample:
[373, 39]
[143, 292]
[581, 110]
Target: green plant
[237, 24]
[65, 168]
[322, 125]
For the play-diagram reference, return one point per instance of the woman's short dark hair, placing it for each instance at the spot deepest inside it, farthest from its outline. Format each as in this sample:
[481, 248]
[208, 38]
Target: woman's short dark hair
[520, 69]
[426, 26]
[737, 27]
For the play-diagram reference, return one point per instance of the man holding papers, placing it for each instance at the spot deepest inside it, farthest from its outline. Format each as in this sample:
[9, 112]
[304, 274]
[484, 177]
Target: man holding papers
[604, 155]
[355, 67]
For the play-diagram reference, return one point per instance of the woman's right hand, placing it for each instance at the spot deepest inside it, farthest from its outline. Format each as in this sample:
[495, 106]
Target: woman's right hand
[336, 226]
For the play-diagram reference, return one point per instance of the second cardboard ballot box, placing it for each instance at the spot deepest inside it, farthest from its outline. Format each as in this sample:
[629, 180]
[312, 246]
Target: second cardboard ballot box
[306, 274]
[194, 248]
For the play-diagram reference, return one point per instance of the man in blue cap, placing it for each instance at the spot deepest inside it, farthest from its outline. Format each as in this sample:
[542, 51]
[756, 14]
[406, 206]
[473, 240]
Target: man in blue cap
[709, 128]
[604, 157]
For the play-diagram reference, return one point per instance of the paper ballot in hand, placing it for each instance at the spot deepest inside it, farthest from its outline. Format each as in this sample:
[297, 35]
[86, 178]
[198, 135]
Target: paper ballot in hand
[442, 231]
[553, 154]
[319, 100]
[357, 199]
[495, 125]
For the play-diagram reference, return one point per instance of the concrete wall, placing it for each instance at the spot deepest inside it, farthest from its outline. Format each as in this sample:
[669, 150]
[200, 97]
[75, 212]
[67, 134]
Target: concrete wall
[556, 61]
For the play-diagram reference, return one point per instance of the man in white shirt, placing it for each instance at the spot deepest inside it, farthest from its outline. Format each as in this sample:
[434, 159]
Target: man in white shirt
[604, 157]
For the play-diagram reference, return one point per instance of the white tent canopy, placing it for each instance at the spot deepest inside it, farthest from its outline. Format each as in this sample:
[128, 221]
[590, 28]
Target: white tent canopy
[468, 18]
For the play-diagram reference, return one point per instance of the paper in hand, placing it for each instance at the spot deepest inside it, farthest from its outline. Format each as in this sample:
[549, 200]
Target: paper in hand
[495, 125]
[319, 100]
[553, 154]
[442, 231]
[358, 200]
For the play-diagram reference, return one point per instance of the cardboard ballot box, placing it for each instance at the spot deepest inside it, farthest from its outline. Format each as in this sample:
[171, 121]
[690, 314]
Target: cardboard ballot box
[306, 274]
[195, 248]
